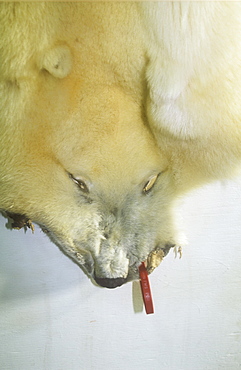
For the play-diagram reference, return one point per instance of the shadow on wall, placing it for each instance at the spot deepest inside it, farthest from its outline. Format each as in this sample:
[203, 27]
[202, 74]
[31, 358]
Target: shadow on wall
[30, 264]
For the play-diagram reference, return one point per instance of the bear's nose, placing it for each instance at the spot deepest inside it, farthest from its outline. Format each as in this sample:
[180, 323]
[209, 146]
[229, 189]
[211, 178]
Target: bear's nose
[110, 283]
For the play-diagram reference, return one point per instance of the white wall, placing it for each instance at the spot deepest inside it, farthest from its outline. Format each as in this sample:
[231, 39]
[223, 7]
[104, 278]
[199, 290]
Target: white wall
[53, 318]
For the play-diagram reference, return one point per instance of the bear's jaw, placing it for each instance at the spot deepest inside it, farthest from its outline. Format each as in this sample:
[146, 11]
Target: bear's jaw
[115, 269]
[19, 221]
[151, 262]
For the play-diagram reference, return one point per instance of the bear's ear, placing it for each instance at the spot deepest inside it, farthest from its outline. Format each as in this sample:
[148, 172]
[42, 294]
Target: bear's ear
[57, 61]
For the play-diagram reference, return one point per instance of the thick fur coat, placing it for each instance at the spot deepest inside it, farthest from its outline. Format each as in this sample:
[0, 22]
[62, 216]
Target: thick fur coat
[108, 113]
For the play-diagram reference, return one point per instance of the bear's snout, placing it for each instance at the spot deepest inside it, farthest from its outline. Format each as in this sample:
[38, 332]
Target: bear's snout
[110, 283]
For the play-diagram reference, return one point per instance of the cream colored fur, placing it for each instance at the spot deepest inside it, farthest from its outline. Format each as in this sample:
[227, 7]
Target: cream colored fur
[99, 101]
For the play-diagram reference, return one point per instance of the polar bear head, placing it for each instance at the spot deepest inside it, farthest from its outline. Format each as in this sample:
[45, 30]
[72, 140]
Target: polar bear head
[86, 168]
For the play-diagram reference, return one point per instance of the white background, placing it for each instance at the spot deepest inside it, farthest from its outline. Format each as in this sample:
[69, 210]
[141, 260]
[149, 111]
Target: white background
[53, 318]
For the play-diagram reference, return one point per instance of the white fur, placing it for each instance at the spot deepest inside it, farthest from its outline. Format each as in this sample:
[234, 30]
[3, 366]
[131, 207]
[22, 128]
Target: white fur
[110, 95]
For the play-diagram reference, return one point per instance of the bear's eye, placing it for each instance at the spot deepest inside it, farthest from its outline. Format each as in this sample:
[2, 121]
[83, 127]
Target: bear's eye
[81, 184]
[150, 183]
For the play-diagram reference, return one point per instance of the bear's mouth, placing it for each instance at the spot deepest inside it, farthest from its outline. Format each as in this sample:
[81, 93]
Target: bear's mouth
[153, 260]
[156, 256]
[19, 221]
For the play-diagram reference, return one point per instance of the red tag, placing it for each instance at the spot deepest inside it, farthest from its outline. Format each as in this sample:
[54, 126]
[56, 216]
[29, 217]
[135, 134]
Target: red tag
[146, 290]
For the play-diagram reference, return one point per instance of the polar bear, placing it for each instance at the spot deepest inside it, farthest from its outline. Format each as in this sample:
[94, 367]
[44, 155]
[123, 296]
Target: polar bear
[109, 113]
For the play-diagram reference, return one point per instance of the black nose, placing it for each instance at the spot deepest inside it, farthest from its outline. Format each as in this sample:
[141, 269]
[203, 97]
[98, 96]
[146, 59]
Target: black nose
[110, 283]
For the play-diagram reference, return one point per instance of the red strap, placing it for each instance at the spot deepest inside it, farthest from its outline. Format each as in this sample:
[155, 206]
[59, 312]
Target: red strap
[146, 290]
